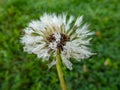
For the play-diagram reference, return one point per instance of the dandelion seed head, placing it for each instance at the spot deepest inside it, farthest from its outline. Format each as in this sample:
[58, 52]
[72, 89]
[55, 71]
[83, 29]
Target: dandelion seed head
[57, 32]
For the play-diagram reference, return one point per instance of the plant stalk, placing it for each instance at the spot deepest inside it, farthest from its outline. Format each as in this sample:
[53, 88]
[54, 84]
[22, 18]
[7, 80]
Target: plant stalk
[59, 71]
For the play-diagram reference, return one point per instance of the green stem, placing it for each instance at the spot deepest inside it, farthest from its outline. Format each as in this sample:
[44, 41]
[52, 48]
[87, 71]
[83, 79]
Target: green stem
[59, 71]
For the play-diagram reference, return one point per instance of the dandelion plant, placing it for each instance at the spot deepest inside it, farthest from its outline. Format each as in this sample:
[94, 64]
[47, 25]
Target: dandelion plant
[59, 36]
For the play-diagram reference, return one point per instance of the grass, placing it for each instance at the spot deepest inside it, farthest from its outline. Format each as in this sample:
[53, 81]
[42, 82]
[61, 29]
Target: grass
[22, 71]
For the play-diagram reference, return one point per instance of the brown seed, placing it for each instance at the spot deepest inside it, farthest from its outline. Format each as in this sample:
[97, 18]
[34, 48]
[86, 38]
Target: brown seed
[64, 38]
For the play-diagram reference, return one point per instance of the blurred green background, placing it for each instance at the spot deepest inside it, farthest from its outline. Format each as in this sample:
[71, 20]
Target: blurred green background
[22, 71]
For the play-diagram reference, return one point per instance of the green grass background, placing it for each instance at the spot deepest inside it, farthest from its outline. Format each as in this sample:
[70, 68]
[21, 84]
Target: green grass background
[22, 71]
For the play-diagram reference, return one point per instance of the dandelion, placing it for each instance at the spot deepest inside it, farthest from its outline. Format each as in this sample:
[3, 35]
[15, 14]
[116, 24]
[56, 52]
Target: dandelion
[59, 37]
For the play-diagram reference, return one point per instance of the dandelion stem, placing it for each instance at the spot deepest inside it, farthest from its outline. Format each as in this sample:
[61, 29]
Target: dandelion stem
[59, 71]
